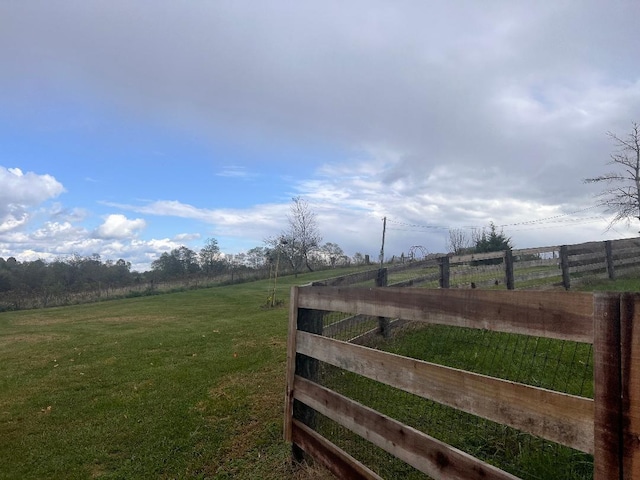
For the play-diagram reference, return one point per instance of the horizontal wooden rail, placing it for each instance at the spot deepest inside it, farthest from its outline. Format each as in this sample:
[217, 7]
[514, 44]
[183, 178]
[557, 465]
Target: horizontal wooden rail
[423, 452]
[348, 279]
[474, 257]
[339, 462]
[560, 315]
[558, 417]
[607, 425]
[536, 251]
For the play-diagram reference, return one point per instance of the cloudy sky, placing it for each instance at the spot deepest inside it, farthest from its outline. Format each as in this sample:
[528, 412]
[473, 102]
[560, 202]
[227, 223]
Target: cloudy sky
[128, 128]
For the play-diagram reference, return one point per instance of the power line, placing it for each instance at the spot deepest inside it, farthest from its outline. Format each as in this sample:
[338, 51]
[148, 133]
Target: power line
[557, 219]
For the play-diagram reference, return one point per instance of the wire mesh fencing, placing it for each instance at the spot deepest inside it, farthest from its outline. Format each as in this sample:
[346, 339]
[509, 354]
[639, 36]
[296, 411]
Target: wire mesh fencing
[559, 365]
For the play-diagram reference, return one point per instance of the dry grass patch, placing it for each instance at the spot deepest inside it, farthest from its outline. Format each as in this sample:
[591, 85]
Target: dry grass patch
[32, 338]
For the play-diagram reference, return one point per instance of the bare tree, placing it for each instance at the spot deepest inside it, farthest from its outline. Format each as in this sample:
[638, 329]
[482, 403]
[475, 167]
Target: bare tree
[622, 194]
[302, 236]
[459, 241]
[333, 252]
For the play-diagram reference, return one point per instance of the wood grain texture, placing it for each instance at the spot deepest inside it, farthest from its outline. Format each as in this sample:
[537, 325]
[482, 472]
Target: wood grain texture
[607, 387]
[558, 417]
[336, 460]
[630, 378]
[560, 315]
[430, 456]
[291, 363]
[348, 279]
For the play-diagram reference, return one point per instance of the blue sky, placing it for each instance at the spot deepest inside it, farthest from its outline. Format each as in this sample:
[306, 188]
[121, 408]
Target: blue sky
[131, 128]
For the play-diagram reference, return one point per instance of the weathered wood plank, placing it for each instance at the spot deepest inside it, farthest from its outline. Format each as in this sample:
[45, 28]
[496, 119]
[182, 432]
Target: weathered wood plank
[535, 251]
[560, 315]
[626, 252]
[348, 279]
[630, 340]
[417, 265]
[587, 247]
[558, 417]
[423, 452]
[291, 362]
[587, 259]
[336, 460]
[592, 267]
[633, 243]
[624, 261]
[607, 387]
[475, 257]
[417, 281]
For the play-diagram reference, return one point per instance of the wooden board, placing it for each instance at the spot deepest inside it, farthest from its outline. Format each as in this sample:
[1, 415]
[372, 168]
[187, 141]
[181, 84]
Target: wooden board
[607, 388]
[588, 247]
[588, 259]
[417, 281]
[475, 257]
[291, 363]
[561, 315]
[535, 251]
[348, 279]
[630, 338]
[626, 243]
[416, 265]
[558, 417]
[430, 456]
[336, 460]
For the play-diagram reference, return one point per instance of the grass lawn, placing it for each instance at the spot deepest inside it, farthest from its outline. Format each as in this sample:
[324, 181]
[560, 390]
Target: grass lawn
[183, 385]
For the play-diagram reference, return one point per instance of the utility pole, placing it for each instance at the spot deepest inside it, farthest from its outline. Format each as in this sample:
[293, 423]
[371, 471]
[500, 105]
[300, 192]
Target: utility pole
[384, 229]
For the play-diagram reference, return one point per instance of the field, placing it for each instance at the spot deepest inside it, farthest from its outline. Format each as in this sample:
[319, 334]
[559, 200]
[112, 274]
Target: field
[183, 385]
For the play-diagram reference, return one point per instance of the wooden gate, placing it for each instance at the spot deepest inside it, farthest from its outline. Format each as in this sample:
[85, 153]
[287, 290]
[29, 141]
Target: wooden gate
[607, 426]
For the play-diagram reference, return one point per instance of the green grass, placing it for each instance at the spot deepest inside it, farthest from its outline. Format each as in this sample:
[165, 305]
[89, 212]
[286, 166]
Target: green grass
[625, 284]
[183, 385]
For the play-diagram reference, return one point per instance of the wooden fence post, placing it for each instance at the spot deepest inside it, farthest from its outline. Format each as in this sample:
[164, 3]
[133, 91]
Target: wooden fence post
[291, 364]
[630, 340]
[443, 264]
[307, 321]
[564, 265]
[382, 280]
[607, 363]
[609, 259]
[508, 269]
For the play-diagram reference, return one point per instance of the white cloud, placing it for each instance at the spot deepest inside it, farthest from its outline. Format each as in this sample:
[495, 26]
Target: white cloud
[458, 114]
[20, 193]
[117, 226]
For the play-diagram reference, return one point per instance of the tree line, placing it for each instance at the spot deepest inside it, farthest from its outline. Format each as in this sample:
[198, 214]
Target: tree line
[41, 283]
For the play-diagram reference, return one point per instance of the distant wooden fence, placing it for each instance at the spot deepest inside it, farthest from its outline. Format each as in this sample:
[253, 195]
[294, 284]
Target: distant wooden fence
[608, 426]
[559, 266]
